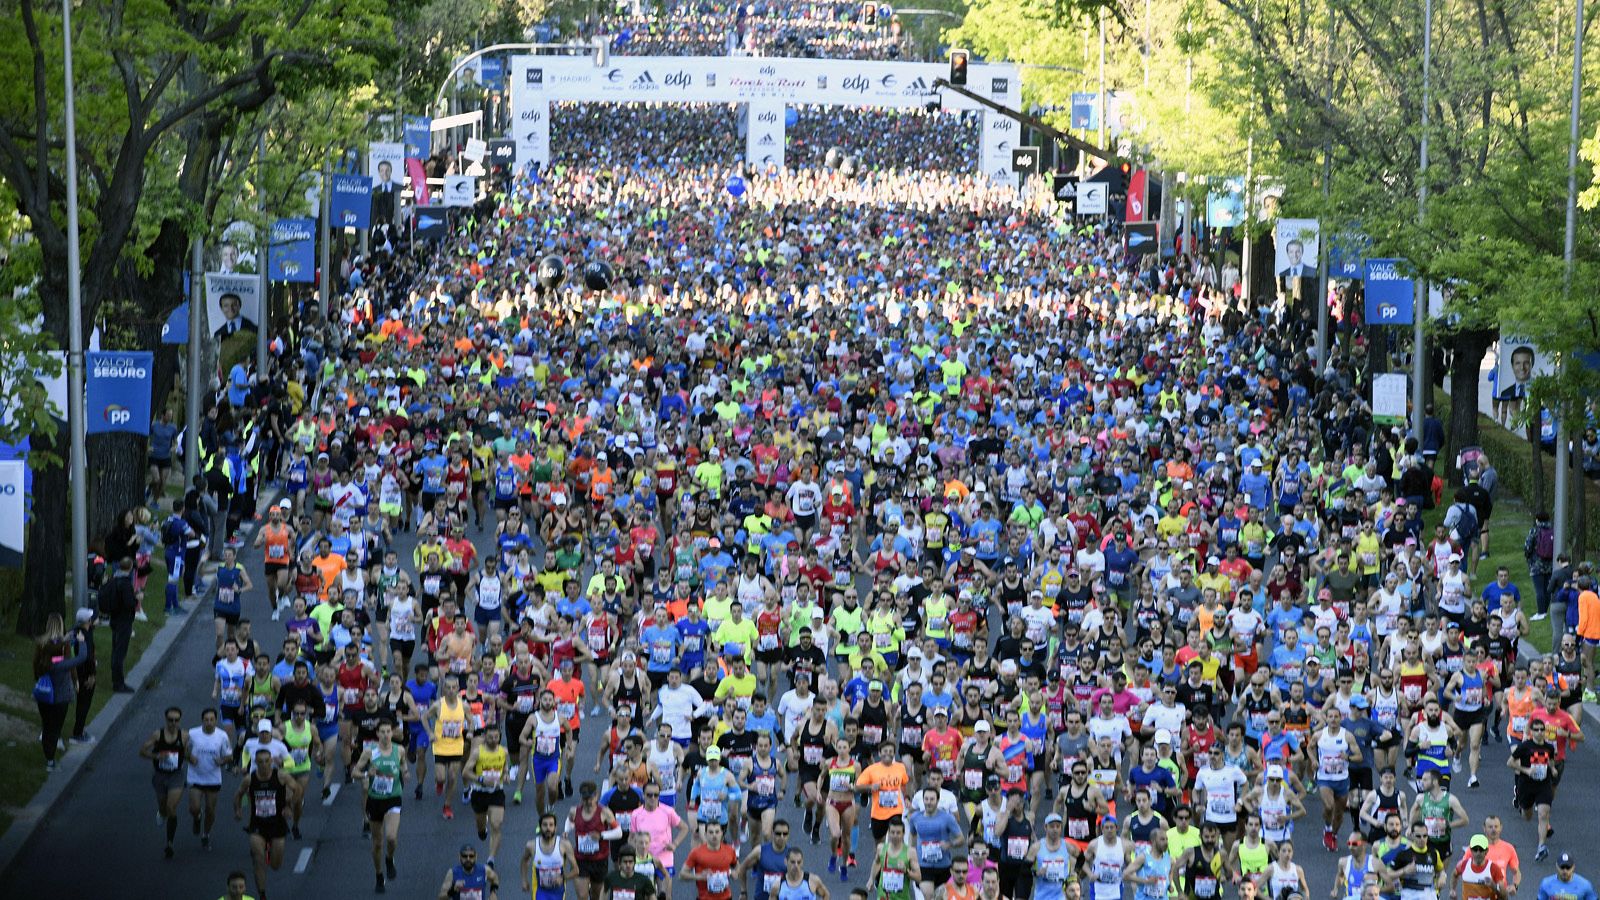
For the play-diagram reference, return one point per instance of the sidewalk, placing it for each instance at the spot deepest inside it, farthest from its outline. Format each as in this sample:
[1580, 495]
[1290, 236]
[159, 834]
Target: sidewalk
[143, 674]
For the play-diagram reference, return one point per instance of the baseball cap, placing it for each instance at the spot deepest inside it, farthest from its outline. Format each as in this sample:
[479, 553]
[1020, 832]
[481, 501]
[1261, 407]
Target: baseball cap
[1358, 701]
[875, 686]
[84, 615]
[285, 504]
[1163, 736]
[980, 725]
[1274, 771]
[266, 725]
[1053, 819]
[713, 753]
[1564, 861]
[1478, 842]
[941, 711]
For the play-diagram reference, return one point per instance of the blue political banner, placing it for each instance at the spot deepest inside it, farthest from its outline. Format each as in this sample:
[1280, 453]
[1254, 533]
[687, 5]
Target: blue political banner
[118, 389]
[492, 72]
[1225, 204]
[1086, 111]
[176, 329]
[418, 137]
[292, 251]
[1347, 252]
[352, 201]
[1391, 294]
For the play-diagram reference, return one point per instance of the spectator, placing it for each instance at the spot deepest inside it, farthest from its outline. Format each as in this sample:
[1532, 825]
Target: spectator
[118, 603]
[53, 665]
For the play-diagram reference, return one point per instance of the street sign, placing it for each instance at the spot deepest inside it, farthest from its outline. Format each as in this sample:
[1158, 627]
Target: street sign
[1025, 160]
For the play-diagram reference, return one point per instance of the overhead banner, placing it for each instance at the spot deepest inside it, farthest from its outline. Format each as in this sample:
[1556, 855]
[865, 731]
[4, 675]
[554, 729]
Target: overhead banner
[118, 389]
[1144, 238]
[292, 251]
[1298, 242]
[1138, 184]
[418, 137]
[1390, 293]
[536, 81]
[1225, 207]
[233, 303]
[352, 201]
[1086, 111]
[765, 137]
[1093, 198]
[13, 512]
[459, 190]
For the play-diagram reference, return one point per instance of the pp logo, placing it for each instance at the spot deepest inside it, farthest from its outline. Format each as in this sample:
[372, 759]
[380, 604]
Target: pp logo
[1387, 311]
[118, 415]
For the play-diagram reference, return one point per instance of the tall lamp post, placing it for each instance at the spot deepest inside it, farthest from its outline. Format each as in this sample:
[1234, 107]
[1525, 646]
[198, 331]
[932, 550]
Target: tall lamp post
[78, 464]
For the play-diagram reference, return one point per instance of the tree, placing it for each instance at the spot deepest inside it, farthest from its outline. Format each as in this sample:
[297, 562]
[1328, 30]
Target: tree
[159, 88]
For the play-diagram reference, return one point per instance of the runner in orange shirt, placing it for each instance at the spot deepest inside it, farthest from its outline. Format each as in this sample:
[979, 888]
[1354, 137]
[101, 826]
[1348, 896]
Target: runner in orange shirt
[277, 537]
[568, 690]
[884, 781]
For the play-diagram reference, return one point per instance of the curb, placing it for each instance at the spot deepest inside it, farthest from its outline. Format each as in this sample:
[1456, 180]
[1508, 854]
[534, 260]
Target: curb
[69, 765]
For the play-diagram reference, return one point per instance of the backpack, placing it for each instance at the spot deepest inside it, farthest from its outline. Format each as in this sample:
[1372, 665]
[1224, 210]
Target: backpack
[1467, 524]
[1544, 543]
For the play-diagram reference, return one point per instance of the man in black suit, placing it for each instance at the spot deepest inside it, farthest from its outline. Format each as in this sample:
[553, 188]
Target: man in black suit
[233, 320]
[385, 193]
[1296, 251]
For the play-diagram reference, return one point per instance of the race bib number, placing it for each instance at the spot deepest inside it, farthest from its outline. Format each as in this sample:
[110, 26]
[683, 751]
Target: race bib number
[889, 799]
[1017, 847]
[930, 853]
[588, 843]
[716, 882]
[811, 754]
[893, 881]
[525, 703]
[545, 745]
[168, 761]
[266, 805]
[383, 784]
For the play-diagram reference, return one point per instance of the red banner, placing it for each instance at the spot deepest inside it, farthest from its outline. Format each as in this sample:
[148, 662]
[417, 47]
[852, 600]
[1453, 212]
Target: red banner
[1136, 196]
[419, 180]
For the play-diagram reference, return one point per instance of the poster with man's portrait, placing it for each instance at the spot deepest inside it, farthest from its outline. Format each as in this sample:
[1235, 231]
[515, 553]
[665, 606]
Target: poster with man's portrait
[1295, 254]
[233, 303]
[386, 164]
[1519, 362]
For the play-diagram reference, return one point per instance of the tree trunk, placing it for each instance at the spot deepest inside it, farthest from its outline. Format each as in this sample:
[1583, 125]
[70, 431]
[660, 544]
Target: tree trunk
[1470, 348]
[116, 480]
[44, 571]
[1579, 538]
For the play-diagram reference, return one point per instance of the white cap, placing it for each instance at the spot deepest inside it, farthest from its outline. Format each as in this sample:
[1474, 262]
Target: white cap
[980, 725]
[1163, 736]
[1274, 771]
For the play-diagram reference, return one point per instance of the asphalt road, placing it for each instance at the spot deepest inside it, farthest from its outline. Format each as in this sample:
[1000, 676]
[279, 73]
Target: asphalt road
[103, 839]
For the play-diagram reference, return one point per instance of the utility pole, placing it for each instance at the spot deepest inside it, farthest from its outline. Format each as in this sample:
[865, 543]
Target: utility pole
[1419, 306]
[1327, 176]
[78, 467]
[263, 327]
[197, 333]
[1105, 106]
[1563, 452]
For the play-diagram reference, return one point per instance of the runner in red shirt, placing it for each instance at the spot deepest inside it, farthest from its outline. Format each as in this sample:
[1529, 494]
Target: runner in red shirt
[710, 866]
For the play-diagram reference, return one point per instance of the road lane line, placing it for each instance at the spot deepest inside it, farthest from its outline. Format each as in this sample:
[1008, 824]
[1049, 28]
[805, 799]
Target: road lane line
[304, 860]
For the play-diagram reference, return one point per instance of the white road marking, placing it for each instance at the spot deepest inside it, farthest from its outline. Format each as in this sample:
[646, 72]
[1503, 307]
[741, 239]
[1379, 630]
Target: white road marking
[304, 860]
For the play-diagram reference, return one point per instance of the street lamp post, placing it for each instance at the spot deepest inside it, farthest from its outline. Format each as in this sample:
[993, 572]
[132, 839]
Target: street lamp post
[78, 461]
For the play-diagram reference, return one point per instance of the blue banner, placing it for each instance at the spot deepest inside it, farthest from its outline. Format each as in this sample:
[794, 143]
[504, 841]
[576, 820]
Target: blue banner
[418, 137]
[352, 201]
[491, 72]
[1346, 255]
[176, 329]
[292, 251]
[118, 388]
[1085, 111]
[1225, 205]
[1391, 295]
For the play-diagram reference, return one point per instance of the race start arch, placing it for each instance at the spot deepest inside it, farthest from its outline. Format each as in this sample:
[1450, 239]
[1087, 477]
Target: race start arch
[767, 86]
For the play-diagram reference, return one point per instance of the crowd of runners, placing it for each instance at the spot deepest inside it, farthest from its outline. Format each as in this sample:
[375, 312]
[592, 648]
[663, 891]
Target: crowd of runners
[896, 513]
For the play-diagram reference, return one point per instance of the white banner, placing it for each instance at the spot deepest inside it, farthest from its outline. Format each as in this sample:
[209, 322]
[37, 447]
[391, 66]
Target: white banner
[1092, 197]
[475, 150]
[1389, 393]
[459, 190]
[765, 134]
[233, 303]
[13, 509]
[762, 82]
[1001, 134]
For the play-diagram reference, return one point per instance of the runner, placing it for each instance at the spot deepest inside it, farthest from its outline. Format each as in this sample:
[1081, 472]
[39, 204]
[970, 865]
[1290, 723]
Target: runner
[169, 749]
[547, 862]
[383, 769]
[487, 770]
[270, 791]
[209, 751]
[466, 881]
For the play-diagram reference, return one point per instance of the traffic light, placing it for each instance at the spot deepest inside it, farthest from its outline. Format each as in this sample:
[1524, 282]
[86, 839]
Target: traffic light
[958, 67]
[1125, 167]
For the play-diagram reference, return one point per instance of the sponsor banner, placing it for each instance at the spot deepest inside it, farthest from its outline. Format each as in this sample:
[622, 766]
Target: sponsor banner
[418, 178]
[765, 134]
[352, 201]
[1001, 135]
[1093, 198]
[1390, 293]
[233, 303]
[430, 222]
[459, 190]
[744, 79]
[502, 153]
[1144, 238]
[291, 250]
[13, 511]
[530, 111]
[118, 388]
[1138, 189]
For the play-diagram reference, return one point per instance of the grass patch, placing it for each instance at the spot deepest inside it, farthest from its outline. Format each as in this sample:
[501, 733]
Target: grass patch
[21, 764]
